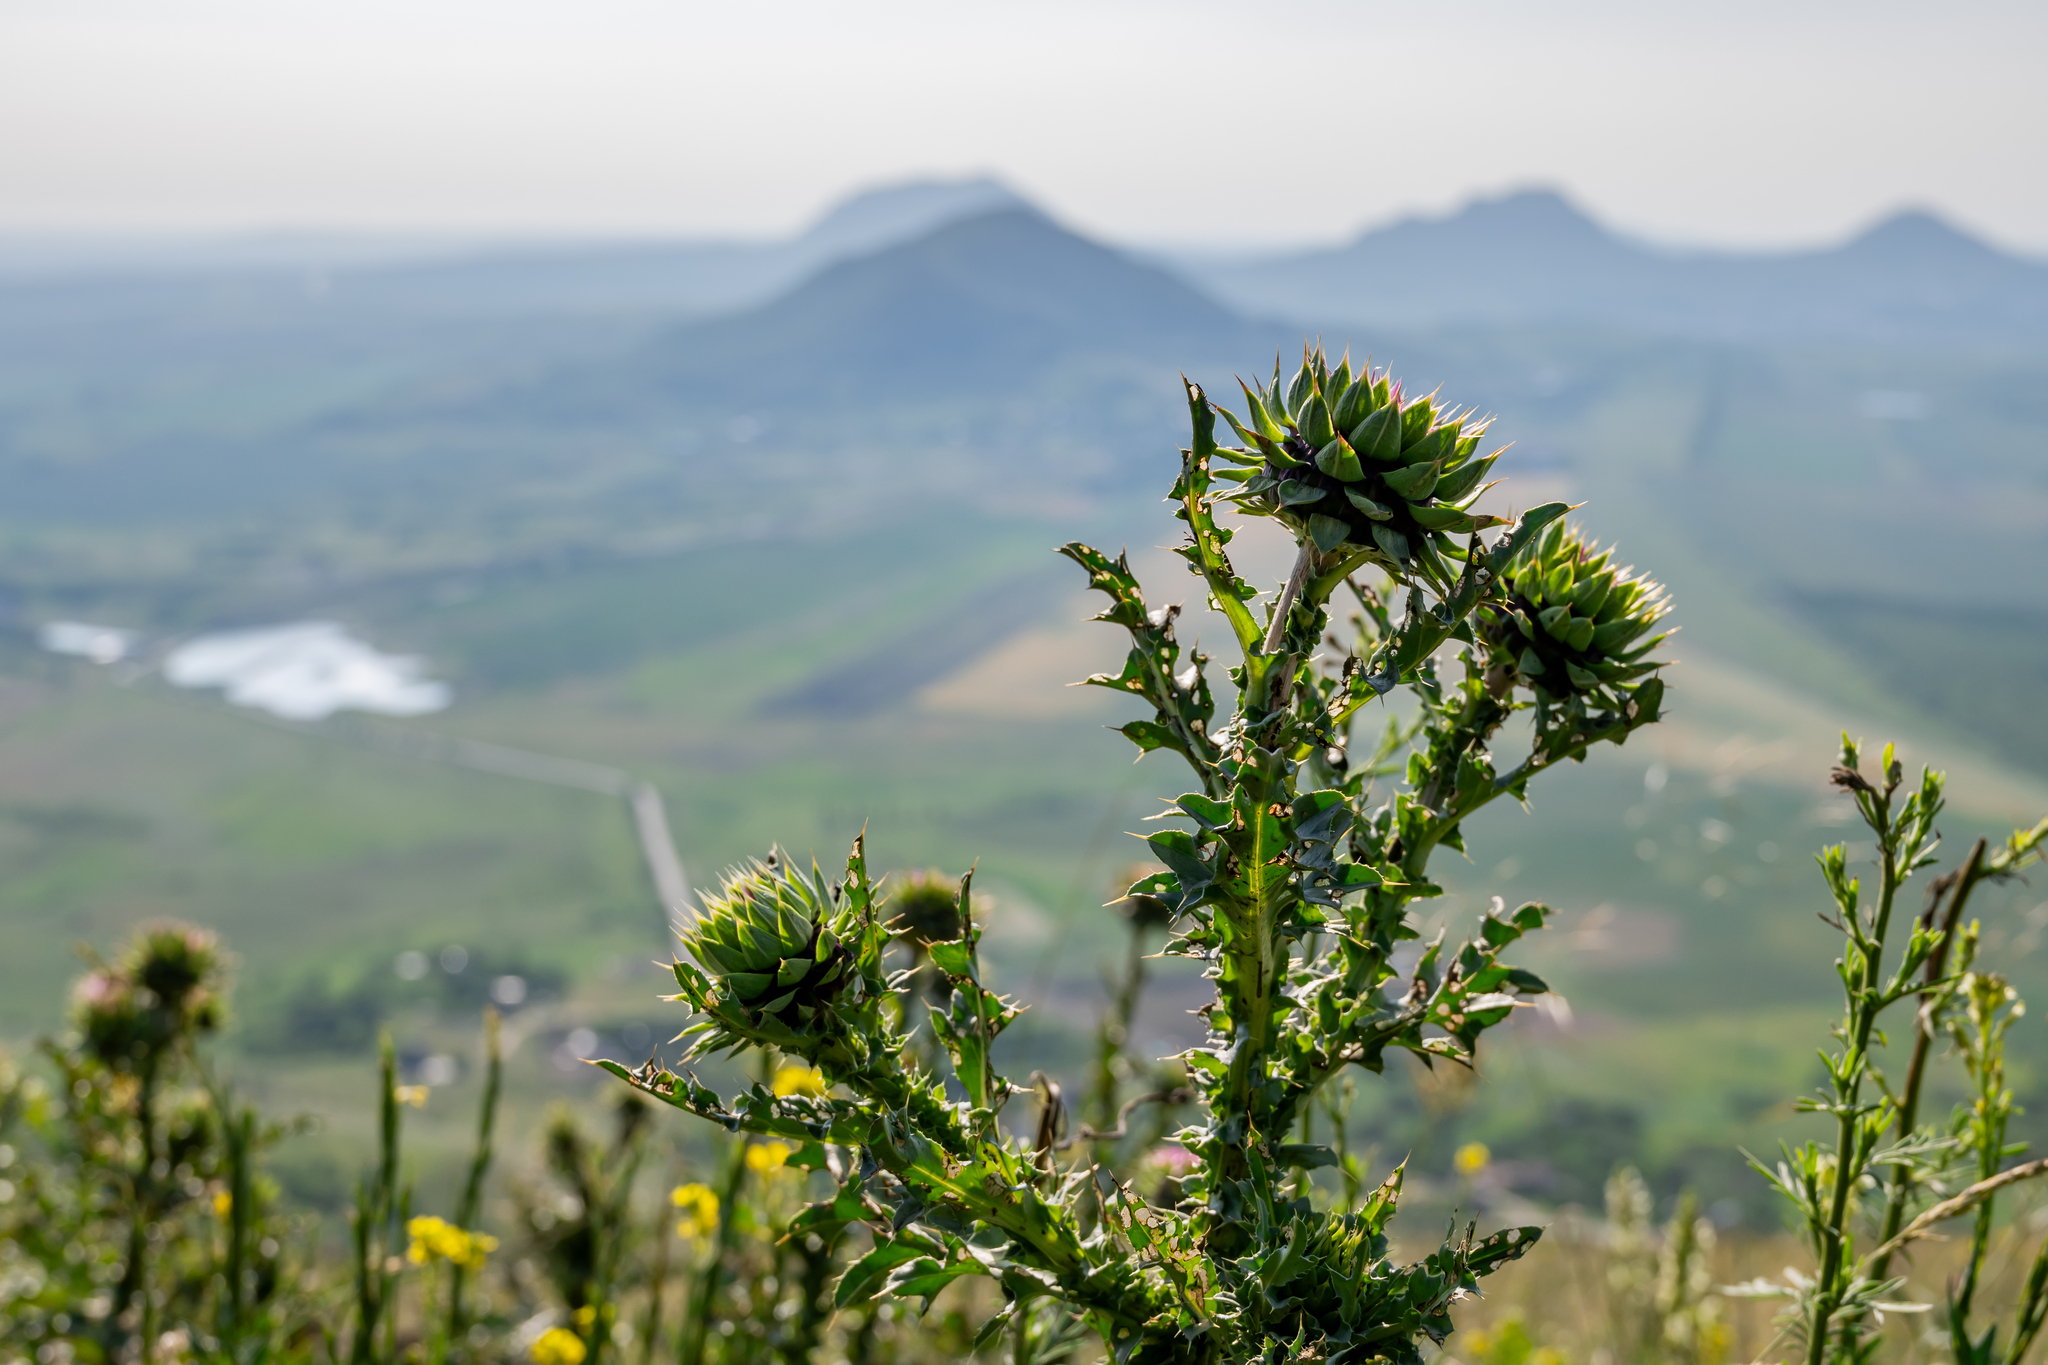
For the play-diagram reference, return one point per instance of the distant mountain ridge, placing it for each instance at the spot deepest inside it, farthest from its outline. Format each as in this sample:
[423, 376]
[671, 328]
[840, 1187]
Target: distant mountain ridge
[484, 277]
[978, 305]
[694, 278]
[999, 349]
[1530, 258]
[1534, 258]
[891, 214]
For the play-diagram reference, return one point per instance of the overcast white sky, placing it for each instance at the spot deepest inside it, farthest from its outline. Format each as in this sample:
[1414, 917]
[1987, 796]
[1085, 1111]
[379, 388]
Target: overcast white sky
[1735, 122]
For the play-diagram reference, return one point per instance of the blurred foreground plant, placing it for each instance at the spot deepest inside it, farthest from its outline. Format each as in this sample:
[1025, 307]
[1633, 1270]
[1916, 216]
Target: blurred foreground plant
[139, 1226]
[1293, 880]
[1661, 1304]
[1889, 1172]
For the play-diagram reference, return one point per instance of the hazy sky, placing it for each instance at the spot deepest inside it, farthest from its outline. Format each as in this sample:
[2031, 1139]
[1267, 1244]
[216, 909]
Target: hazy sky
[1732, 122]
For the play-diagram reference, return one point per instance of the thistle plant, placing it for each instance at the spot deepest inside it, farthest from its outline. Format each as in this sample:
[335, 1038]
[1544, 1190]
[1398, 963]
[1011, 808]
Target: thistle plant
[138, 1215]
[139, 1021]
[1293, 874]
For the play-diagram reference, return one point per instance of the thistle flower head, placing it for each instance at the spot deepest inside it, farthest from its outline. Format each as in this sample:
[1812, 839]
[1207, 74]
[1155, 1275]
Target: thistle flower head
[166, 988]
[1577, 625]
[926, 909]
[1345, 459]
[771, 939]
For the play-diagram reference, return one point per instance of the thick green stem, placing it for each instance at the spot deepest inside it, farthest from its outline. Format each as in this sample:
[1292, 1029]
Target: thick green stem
[1864, 1003]
[132, 1294]
[241, 1143]
[1251, 976]
[469, 1212]
[374, 1203]
[391, 1282]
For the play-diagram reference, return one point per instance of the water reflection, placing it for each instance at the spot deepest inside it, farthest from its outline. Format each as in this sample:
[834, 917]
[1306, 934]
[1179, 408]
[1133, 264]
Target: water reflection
[305, 671]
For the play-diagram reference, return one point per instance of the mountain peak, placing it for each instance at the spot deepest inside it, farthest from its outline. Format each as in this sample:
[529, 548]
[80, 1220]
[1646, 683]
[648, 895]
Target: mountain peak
[1536, 214]
[1920, 237]
[888, 214]
[1537, 205]
[985, 302]
[1534, 257]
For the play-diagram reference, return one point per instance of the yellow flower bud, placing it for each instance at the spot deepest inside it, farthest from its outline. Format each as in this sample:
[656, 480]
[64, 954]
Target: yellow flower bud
[559, 1346]
[700, 1210]
[768, 1156]
[436, 1239]
[794, 1078]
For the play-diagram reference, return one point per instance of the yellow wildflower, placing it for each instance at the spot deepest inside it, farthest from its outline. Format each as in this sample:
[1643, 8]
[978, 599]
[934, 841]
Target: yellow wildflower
[436, 1239]
[1471, 1158]
[414, 1095]
[794, 1078]
[586, 1315]
[768, 1156]
[223, 1204]
[559, 1346]
[700, 1210]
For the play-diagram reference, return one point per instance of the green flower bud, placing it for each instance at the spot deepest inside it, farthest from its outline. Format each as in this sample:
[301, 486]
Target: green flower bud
[1343, 462]
[769, 939]
[1575, 624]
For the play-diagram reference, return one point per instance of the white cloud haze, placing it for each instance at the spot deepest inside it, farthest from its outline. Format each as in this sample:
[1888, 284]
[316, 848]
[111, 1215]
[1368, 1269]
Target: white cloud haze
[1736, 123]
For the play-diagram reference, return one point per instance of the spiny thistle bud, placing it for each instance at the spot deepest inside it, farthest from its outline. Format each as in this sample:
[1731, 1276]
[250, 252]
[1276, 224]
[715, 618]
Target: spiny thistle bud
[164, 991]
[1342, 459]
[927, 909]
[1575, 622]
[771, 940]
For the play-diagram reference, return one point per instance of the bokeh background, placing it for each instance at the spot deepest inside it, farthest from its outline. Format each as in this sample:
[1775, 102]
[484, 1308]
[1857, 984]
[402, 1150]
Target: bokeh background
[442, 443]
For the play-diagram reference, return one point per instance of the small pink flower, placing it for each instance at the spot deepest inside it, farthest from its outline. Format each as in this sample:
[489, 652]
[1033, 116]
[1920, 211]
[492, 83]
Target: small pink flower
[94, 987]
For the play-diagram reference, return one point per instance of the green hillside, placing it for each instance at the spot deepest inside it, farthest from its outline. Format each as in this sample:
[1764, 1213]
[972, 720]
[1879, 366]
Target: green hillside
[844, 610]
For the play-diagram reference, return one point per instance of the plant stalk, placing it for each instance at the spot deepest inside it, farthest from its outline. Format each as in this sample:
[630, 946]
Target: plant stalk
[470, 1211]
[693, 1334]
[1863, 1008]
[1923, 1040]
